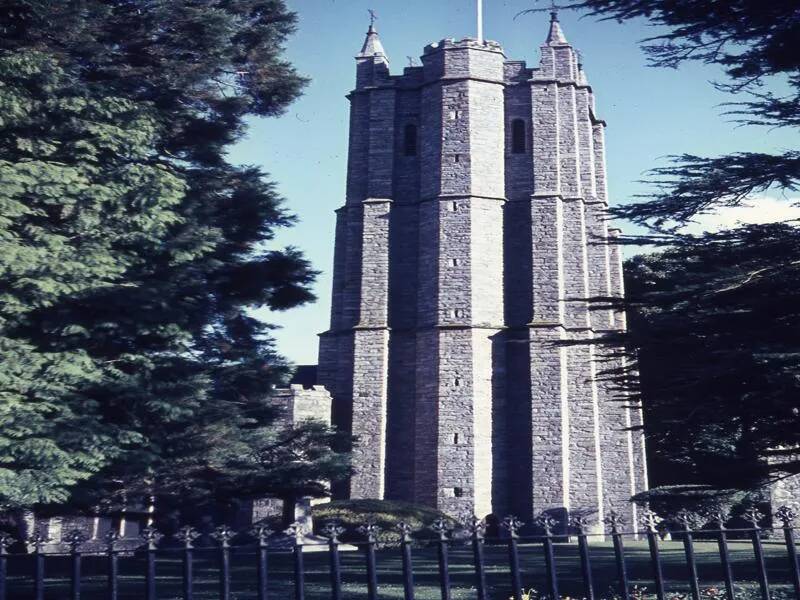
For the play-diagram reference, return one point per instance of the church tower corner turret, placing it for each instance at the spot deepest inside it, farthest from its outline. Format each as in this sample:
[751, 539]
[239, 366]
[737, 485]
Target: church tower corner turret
[461, 353]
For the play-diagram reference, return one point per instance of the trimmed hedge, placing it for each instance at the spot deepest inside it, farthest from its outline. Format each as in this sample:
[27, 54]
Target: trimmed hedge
[386, 514]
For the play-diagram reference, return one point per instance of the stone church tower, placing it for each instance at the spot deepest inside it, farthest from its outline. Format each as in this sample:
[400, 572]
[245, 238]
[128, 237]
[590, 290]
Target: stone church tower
[472, 236]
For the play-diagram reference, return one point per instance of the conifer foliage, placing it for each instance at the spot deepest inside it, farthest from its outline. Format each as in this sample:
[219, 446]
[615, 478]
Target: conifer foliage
[715, 319]
[131, 251]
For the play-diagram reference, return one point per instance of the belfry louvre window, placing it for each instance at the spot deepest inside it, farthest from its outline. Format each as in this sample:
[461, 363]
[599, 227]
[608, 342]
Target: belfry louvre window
[518, 145]
[410, 140]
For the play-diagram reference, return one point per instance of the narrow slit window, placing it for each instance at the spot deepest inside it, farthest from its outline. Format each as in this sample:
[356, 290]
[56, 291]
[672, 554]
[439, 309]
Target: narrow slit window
[518, 135]
[410, 140]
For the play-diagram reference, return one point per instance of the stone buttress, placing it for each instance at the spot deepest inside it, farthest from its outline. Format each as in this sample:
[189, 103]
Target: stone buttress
[461, 353]
[354, 353]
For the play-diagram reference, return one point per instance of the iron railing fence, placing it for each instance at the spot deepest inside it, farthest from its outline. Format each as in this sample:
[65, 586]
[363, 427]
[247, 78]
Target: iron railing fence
[468, 543]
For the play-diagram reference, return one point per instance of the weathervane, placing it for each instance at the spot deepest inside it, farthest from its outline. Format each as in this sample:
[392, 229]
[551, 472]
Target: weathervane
[553, 8]
[372, 17]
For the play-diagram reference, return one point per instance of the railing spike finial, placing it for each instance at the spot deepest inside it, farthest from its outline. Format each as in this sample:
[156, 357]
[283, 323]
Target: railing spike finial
[38, 539]
[111, 538]
[261, 533]
[332, 530]
[370, 530]
[718, 515]
[786, 515]
[442, 528]
[224, 534]
[753, 516]
[187, 534]
[580, 523]
[405, 530]
[512, 524]
[614, 520]
[151, 537]
[688, 520]
[547, 522]
[650, 520]
[75, 538]
[476, 526]
[296, 530]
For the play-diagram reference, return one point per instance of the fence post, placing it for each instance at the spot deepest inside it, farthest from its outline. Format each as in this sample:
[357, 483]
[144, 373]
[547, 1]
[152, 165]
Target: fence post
[150, 535]
[687, 521]
[261, 534]
[477, 530]
[580, 523]
[332, 531]
[754, 517]
[441, 528]
[38, 539]
[371, 530]
[224, 534]
[296, 531]
[547, 522]
[405, 530]
[787, 517]
[75, 539]
[5, 542]
[187, 534]
[113, 564]
[720, 517]
[650, 520]
[615, 521]
[512, 524]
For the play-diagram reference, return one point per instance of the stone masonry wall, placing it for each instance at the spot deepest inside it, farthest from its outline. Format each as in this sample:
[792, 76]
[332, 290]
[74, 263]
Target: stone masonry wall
[461, 350]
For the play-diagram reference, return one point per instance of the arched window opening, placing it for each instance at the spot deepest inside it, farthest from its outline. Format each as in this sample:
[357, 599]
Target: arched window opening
[518, 145]
[410, 140]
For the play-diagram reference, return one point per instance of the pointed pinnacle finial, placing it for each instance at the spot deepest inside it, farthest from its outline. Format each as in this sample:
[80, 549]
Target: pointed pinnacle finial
[372, 45]
[555, 35]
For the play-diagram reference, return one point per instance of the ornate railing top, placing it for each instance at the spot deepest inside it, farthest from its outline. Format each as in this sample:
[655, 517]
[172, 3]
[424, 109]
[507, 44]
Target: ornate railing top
[472, 527]
[512, 524]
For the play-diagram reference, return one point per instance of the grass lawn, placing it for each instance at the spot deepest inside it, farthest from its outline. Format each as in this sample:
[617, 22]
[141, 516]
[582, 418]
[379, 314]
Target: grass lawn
[425, 573]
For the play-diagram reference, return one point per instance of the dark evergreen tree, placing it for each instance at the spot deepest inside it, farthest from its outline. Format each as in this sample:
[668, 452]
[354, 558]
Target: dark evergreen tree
[715, 321]
[131, 252]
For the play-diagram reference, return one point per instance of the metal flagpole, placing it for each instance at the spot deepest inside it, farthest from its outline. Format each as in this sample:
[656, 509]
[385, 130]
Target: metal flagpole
[480, 21]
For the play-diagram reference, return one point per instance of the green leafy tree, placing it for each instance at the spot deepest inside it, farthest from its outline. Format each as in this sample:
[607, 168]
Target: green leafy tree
[131, 253]
[714, 316]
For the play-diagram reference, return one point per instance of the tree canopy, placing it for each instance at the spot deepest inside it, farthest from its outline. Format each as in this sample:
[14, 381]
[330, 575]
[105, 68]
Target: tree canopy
[715, 322]
[132, 251]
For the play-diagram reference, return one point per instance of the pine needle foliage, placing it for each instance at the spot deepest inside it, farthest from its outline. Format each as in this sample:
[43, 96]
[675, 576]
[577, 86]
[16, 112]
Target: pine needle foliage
[715, 321]
[132, 251]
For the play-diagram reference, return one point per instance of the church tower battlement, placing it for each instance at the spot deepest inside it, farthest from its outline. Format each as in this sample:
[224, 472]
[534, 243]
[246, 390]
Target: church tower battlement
[472, 237]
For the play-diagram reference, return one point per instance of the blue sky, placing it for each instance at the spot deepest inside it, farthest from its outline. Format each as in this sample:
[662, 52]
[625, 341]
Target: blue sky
[651, 113]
